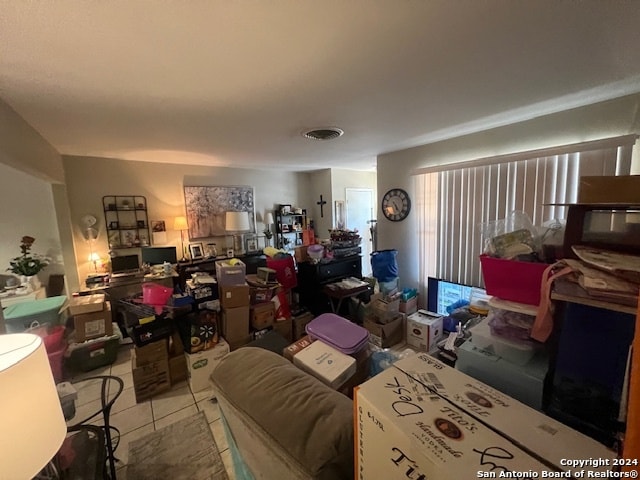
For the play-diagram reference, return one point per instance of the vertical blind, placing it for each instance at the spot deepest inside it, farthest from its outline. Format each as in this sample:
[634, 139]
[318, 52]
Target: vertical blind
[454, 202]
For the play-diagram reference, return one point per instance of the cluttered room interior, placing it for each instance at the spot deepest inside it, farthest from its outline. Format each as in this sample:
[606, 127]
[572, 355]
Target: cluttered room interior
[295, 241]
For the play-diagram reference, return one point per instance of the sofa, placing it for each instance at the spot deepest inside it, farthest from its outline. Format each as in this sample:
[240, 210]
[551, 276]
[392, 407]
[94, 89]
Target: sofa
[285, 423]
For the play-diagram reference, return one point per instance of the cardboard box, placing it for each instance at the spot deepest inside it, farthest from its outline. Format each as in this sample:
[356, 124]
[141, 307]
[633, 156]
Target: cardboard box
[236, 344]
[385, 335]
[609, 189]
[85, 304]
[149, 379]
[152, 352]
[199, 330]
[401, 427]
[228, 274]
[297, 346]
[424, 330]
[262, 315]
[543, 436]
[94, 324]
[178, 369]
[410, 306]
[232, 296]
[327, 364]
[299, 324]
[381, 309]
[284, 328]
[235, 323]
[201, 364]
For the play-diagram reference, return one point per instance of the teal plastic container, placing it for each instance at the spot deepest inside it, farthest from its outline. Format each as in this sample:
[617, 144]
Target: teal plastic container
[21, 316]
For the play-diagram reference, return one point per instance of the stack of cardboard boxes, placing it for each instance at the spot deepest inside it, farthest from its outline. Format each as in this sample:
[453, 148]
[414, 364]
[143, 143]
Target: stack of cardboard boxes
[93, 343]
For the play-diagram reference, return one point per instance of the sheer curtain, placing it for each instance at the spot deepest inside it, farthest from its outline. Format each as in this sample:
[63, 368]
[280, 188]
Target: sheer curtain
[453, 201]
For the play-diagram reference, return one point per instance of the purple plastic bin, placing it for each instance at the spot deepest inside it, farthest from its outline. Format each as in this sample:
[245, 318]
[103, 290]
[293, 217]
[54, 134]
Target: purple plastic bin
[340, 333]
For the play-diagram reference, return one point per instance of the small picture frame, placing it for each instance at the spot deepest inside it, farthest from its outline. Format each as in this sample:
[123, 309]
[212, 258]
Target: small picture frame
[140, 223]
[196, 250]
[285, 209]
[144, 239]
[113, 225]
[251, 243]
[158, 226]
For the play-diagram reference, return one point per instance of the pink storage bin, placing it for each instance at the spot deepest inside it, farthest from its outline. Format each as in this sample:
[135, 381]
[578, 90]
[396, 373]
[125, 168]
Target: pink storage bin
[156, 295]
[55, 361]
[513, 280]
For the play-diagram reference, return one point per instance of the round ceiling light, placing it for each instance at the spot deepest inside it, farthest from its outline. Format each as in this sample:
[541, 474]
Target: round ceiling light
[325, 133]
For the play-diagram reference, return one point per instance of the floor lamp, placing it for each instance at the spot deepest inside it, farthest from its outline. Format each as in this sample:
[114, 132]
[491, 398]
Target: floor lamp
[180, 223]
[236, 223]
[32, 425]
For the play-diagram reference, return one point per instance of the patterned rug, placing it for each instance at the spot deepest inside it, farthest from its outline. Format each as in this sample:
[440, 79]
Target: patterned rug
[183, 450]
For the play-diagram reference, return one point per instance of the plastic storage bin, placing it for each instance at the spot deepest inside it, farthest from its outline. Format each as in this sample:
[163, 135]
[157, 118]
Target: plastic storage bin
[338, 332]
[156, 295]
[516, 352]
[21, 316]
[513, 280]
[92, 354]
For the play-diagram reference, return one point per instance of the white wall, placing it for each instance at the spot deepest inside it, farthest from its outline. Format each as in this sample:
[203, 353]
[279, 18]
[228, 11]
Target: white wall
[607, 119]
[89, 179]
[28, 209]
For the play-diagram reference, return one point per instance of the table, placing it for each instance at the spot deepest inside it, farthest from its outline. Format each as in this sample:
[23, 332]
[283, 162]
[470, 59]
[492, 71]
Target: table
[25, 297]
[108, 388]
[337, 294]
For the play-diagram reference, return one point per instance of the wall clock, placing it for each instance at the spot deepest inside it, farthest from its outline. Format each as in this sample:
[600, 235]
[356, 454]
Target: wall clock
[396, 204]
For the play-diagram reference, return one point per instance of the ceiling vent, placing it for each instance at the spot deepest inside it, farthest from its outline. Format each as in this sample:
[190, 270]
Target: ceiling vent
[325, 133]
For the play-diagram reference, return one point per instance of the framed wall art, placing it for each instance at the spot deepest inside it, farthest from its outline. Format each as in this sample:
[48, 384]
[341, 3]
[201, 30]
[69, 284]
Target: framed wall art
[206, 207]
[196, 250]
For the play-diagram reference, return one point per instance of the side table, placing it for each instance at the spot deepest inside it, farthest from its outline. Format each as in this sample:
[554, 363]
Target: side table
[109, 388]
[337, 294]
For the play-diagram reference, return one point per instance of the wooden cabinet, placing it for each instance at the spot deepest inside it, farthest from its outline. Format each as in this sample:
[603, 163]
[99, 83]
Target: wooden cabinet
[290, 227]
[126, 221]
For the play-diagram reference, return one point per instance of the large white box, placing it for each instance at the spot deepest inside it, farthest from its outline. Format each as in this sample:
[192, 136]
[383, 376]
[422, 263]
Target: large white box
[535, 432]
[326, 363]
[404, 431]
[424, 329]
[201, 364]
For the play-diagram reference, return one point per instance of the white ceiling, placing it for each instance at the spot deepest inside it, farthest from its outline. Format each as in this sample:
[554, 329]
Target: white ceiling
[234, 82]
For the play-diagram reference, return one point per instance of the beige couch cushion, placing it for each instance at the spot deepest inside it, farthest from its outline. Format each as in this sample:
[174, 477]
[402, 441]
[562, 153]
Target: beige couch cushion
[306, 419]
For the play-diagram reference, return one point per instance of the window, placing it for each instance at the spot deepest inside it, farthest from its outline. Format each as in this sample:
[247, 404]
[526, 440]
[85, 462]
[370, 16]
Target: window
[454, 200]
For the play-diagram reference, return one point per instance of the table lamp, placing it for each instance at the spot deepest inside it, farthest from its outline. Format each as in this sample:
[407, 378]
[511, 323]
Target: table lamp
[180, 223]
[32, 425]
[236, 223]
[95, 258]
[268, 221]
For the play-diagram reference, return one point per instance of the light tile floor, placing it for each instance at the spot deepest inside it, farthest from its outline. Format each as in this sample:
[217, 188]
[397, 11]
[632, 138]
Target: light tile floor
[134, 420]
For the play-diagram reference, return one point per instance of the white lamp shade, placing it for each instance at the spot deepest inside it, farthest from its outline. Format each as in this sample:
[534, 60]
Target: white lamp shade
[237, 222]
[32, 425]
[268, 218]
[180, 223]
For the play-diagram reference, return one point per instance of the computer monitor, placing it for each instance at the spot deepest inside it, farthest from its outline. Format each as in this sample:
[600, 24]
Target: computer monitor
[125, 264]
[159, 255]
[441, 294]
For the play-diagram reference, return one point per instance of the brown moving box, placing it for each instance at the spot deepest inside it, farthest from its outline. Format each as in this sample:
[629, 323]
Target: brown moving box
[149, 379]
[299, 324]
[152, 352]
[290, 351]
[178, 368]
[232, 296]
[93, 325]
[284, 328]
[235, 324]
[85, 304]
[387, 334]
[262, 315]
[609, 189]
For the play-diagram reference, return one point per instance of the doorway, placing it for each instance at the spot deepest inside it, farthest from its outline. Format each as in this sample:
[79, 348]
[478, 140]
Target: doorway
[360, 212]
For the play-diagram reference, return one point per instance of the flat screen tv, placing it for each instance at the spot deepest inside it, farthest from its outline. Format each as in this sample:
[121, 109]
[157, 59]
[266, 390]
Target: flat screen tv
[442, 293]
[159, 255]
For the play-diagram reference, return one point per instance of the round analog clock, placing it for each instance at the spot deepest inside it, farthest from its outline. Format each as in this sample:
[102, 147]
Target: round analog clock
[396, 204]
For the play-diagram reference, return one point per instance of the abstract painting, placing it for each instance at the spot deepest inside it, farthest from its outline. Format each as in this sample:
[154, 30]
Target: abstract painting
[206, 207]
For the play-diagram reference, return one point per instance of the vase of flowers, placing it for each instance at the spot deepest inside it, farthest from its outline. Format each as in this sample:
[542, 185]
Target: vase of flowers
[27, 265]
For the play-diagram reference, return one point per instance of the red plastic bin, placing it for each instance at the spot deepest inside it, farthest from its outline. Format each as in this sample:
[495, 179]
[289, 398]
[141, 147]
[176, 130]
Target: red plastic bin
[513, 280]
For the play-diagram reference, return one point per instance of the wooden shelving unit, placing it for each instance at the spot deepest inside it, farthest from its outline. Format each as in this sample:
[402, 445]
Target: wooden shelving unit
[126, 221]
